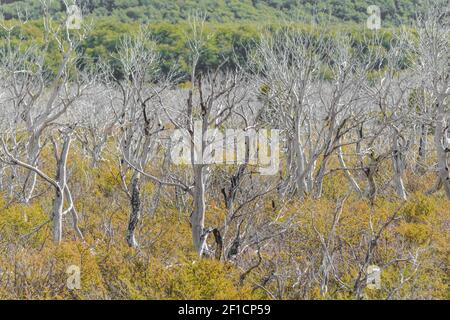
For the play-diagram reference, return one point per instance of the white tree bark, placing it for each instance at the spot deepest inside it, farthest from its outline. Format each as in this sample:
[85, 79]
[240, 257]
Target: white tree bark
[398, 165]
[347, 172]
[439, 139]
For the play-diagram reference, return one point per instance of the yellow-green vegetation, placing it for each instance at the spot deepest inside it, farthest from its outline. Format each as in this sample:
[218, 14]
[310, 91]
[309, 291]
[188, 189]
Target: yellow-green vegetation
[412, 249]
[228, 10]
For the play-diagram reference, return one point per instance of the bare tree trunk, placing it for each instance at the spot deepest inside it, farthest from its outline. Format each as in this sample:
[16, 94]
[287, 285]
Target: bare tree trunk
[309, 176]
[154, 203]
[198, 214]
[347, 173]
[96, 155]
[300, 162]
[319, 179]
[398, 165]
[320, 176]
[370, 171]
[74, 212]
[2, 174]
[439, 138]
[135, 213]
[422, 152]
[30, 181]
[423, 143]
[61, 176]
[57, 216]
[324, 270]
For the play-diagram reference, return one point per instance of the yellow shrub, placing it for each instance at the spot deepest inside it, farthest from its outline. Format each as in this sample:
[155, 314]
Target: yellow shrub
[207, 279]
[415, 232]
[20, 222]
[418, 208]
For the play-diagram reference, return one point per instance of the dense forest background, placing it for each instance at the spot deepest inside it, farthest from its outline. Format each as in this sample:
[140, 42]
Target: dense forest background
[393, 12]
[233, 26]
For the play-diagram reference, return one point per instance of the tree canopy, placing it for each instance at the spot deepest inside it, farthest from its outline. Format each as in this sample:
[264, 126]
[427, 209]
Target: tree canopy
[393, 12]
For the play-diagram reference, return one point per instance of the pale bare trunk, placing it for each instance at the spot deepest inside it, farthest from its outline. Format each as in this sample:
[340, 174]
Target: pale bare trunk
[439, 137]
[423, 143]
[300, 162]
[398, 165]
[58, 216]
[320, 176]
[370, 171]
[30, 181]
[74, 213]
[347, 173]
[135, 214]
[58, 203]
[198, 214]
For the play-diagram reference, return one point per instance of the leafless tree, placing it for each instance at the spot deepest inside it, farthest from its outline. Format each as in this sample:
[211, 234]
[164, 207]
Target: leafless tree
[431, 65]
[59, 183]
[40, 99]
[138, 112]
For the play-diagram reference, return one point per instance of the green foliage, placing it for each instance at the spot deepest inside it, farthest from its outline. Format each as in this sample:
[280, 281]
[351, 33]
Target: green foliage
[19, 222]
[208, 279]
[149, 11]
[165, 267]
[224, 42]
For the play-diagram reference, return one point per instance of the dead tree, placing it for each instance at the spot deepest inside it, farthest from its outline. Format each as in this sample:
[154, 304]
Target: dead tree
[39, 100]
[431, 65]
[138, 111]
[59, 183]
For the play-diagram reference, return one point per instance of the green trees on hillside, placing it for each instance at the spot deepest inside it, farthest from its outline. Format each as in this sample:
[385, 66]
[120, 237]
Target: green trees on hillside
[233, 24]
[394, 12]
[226, 41]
